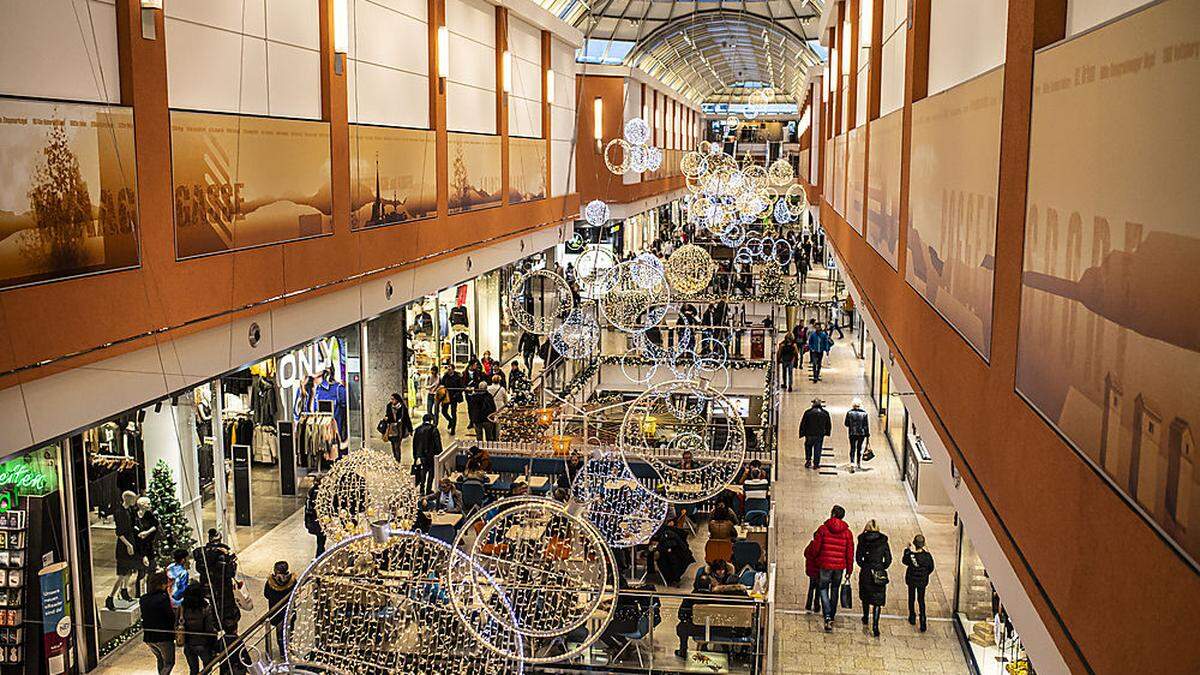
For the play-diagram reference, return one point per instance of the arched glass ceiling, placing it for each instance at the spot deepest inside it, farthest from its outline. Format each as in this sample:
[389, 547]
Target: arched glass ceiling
[705, 48]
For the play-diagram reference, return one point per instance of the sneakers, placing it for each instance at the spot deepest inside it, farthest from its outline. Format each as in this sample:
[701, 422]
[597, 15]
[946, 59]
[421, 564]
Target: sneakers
[851, 468]
[828, 625]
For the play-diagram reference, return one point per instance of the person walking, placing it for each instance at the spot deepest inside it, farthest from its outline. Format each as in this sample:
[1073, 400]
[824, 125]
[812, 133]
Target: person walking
[452, 382]
[199, 629]
[874, 558]
[815, 425]
[858, 424]
[158, 622]
[480, 408]
[819, 344]
[433, 387]
[918, 564]
[800, 337]
[276, 591]
[834, 554]
[311, 522]
[812, 602]
[426, 446]
[528, 346]
[498, 391]
[786, 355]
[398, 424]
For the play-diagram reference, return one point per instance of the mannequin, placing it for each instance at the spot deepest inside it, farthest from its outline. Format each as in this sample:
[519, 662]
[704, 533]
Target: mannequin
[126, 553]
[145, 524]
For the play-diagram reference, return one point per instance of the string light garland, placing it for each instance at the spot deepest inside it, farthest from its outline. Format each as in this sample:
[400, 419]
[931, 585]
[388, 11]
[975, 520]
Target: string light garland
[689, 269]
[364, 487]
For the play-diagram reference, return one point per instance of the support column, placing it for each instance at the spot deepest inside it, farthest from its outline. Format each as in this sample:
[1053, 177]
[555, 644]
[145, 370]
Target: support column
[502, 100]
[437, 108]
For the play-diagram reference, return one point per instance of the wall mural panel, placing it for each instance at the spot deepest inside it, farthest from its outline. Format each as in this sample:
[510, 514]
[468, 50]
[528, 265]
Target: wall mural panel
[839, 174]
[393, 175]
[856, 142]
[244, 181]
[952, 204]
[883, 198]
[68, 196]
[526, 169]
[1109, 347]
[474, 172]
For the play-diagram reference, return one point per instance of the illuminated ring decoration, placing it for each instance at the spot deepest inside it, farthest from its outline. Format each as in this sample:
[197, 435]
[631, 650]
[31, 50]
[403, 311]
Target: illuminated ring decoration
[363, 487]
[380, 604]
[545, 323]
[632, 305]
[691, 410]
[622, 509]
[689, 269]
[783, 252]
[613, 166]
[553, 568]
[576, 241]
[593, 270]
[637, 131]
[733, 236]
[631, 360]
[596, 212]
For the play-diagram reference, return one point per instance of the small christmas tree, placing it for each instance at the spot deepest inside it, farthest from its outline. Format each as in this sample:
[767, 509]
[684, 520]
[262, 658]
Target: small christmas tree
[174, 530]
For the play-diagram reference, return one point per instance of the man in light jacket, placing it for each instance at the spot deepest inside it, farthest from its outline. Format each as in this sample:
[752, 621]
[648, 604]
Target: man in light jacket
[815, 425]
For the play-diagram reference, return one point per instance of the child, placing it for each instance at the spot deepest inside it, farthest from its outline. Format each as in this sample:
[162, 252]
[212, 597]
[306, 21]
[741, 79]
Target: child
[177, 574]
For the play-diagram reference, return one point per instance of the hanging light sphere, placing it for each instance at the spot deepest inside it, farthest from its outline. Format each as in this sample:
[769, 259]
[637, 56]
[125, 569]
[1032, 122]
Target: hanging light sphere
[654, 158]
[596, 212]
[367, 486]
[637, 131]
[578, 337]
[539, 300]
[622, 509]
[781, 172]
[689, 269]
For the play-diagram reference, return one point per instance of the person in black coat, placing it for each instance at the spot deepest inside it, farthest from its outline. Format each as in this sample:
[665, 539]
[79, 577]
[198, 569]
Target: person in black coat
[426, 446]
[528, 346]
[399, 424]
[278, 588]
[787, 356]
[480, 408]
[158, 622]
[815, 425]
[918, 564]
[453, 382]
[858, 425]
[873, 557]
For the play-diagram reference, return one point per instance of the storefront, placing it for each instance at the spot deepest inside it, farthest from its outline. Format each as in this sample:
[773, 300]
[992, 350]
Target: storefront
[980, 614]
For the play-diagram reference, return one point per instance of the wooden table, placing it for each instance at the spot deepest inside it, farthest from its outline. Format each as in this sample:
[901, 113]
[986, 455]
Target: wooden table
[445, 518]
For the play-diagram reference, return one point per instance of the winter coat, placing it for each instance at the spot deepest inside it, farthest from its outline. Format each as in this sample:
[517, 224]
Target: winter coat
[397, 413]
[426, 443]
[834, 546]
[810, 559]
[873, 554]
[918, 566]
[787, 353]
[453, 382]
[819, 341]
[480, 405]
[276, 592]
[528, 344]
[158, 617]
[200, 625]
[815, 422]
[858, 423]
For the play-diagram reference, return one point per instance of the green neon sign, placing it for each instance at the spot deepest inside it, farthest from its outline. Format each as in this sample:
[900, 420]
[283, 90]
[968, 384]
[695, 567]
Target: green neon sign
[31, 475]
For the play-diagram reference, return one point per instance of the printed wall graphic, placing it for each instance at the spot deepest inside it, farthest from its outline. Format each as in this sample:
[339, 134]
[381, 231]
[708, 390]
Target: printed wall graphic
[856, 144]
[474, 172]
[883, 187]
[1109, 349]
[68, 196]
[952, 203]
[526, 169]
[245, 181]
[839, 174]
[393, 175]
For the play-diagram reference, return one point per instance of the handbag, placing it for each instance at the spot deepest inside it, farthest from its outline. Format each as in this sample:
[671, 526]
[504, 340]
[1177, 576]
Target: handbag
[847, 597]
[880, 577]
[382, 427]
[868, 454]
[242, 596]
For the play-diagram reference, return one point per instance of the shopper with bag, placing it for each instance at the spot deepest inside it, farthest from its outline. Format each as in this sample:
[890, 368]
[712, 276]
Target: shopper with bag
[834, 554]
[918, 565]
[198, 627]
[396, 425]
[858, 424]
[874, 558]
[158, 622]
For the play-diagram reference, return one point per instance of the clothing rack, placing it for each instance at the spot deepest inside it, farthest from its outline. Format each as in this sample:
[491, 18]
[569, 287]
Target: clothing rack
[318, 443]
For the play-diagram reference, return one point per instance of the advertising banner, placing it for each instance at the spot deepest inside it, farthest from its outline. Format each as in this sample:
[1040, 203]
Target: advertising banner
[68, 199]
[393, 175]
[244, 181]
[56, 616]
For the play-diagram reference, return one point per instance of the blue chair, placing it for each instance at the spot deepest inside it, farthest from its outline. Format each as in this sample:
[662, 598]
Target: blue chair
[756, 518]
[747, 577]
[651, 618]
[746, 553]
[758, 504]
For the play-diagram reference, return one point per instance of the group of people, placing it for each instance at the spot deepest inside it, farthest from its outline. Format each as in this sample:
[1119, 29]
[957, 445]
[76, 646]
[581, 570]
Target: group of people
[830, 559]
[813, 340]
[199, 608]
[816, 424]
[482, 385]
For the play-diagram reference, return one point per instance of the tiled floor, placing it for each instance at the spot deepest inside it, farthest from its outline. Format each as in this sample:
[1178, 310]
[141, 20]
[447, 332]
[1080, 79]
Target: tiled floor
[803, 499]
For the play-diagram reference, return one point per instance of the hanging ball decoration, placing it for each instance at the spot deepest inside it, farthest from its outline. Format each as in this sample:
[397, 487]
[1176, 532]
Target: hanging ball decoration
[782, 213]
[637, 300]
[378, 603]
[689, 269]
[637, 131]
[732, 122]
[654, 158]
[367, 486]
[538, 301]
[553, 568]
[781, 172]
[596, 212]
[692, 417]
[578, 337]
[622, 509]
[647, 271]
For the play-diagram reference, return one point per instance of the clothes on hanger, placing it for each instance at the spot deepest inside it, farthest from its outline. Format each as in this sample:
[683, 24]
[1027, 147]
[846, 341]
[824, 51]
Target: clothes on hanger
[333, 391]
[318, 443]
[264, 407]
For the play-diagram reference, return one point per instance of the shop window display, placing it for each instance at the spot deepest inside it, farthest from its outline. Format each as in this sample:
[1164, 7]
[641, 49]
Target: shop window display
[995, 645]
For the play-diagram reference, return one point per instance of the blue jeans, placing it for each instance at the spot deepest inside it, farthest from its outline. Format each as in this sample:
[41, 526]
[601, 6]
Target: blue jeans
[830, 586]
[787, 375]
[431, 407]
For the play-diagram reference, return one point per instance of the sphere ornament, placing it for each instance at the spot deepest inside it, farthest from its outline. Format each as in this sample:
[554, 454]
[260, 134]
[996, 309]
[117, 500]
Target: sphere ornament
[379, 603]
[362, 488]
[638, 297]
[696, 443]
[653, 158]
[578, 336]
[781, 172]
[689, 269]
[596, 212]
[538, 301]
[637, 131]
[623, 510]
[551, 567]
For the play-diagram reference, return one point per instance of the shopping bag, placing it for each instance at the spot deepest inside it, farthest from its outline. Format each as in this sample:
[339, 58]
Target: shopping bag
[868, 454]
[847, 599]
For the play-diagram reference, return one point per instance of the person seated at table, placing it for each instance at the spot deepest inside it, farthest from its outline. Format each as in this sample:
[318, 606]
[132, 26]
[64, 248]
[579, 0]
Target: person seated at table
[520, 488]
[571, 468]
[481, 458]
[752, 466]
[447, 498]
[686, 462]
[474, 470]
[756, 486]
[669, 554]
[722, 523]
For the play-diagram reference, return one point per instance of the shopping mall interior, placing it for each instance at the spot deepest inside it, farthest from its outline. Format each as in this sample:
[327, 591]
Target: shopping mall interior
[634, 336]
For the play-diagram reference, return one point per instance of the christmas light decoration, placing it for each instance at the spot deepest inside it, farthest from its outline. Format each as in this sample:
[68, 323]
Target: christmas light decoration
[554, 297]
[367, 486]
[689, 269]
[622, 509]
